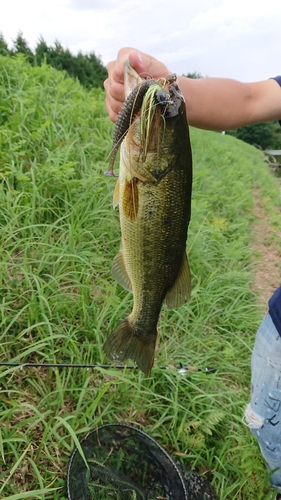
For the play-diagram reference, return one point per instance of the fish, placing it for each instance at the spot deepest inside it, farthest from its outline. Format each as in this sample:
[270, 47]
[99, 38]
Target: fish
[153, 192]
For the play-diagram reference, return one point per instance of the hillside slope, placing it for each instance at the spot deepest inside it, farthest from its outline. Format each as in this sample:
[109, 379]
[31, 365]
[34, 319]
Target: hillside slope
[59, 301]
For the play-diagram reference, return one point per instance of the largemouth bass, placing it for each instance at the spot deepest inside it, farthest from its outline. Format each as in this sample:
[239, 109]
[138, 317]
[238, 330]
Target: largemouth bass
[154, 196]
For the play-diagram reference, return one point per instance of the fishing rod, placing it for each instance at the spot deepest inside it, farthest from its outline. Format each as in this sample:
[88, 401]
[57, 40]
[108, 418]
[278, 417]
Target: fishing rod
[181, 369]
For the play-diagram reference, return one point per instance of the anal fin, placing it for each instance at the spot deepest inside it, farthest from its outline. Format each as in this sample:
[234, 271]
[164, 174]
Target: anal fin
[120, 273]
[180, 292]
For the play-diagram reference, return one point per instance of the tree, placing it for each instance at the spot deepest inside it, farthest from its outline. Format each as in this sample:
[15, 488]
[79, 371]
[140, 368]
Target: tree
[265, 135]
[20, 45]
[193, 75]
[41, 51]
[61, 58]
[88, 68]
[4, 49]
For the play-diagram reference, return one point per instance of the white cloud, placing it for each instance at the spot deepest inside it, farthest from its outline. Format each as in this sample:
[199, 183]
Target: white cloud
[214, 37]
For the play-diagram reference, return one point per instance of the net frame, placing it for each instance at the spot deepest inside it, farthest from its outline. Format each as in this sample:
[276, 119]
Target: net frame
[176, 484]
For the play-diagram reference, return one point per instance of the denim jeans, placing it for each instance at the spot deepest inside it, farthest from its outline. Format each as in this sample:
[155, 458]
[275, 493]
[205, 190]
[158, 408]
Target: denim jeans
[263, 414]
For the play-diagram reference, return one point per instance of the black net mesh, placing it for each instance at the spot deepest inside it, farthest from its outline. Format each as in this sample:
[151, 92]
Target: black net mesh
[124, 463]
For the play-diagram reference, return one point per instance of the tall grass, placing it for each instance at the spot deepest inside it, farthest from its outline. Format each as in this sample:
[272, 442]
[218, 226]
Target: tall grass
[59, 301]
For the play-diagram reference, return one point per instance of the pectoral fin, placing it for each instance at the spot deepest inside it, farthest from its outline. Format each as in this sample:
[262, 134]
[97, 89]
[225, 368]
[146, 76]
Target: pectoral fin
[179, 293]
[116, 194]
[130, 199]
[119, 272]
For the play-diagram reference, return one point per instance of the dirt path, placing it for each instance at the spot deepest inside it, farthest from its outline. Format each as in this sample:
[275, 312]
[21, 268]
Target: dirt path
[268, 269]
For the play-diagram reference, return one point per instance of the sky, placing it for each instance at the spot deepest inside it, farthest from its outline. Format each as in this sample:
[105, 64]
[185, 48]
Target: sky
[219, 38]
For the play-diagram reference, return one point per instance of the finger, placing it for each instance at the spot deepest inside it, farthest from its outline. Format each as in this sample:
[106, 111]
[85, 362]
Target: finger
[115, 93]
[117, 67]
[138, 62]
[112, 115]
[113, 102]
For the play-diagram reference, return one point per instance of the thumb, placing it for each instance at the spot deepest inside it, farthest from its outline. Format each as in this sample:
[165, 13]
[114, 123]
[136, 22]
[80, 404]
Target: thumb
[146, 65]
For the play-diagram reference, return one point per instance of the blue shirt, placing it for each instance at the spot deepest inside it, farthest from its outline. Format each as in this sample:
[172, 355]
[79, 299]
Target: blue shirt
[274, 302]
[278, 79]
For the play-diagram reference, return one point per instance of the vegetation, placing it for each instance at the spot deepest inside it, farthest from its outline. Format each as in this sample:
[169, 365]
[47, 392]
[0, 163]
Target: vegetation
[193, 75]
[264, 135]
[59, 301]
[87, 68]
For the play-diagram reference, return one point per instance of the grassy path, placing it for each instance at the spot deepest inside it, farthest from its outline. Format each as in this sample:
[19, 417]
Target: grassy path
[266, 243]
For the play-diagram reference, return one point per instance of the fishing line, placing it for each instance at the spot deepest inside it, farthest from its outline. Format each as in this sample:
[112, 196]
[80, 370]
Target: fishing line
[181, 369]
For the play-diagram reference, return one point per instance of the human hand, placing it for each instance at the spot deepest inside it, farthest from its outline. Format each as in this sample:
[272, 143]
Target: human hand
[144, 64]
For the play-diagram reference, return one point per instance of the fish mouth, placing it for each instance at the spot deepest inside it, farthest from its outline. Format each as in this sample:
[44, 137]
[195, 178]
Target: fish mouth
[168, 96]
[162, 105]
[171, 99]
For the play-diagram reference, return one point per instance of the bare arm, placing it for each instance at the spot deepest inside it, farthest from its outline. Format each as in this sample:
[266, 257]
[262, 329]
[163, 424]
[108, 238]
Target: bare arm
[224, 104]
[211, 103]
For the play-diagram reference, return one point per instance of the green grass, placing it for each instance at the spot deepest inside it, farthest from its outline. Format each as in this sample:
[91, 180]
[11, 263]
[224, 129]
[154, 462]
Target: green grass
[59, 301]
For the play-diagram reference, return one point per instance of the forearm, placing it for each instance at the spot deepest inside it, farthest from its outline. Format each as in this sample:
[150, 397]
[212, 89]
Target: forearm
[224, 104]
[211, 103]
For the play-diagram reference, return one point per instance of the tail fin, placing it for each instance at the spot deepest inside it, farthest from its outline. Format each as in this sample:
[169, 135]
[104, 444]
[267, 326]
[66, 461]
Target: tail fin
[127, 341]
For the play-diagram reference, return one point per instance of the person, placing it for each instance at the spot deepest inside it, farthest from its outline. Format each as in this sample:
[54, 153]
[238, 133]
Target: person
[221, 104]
[211, 103]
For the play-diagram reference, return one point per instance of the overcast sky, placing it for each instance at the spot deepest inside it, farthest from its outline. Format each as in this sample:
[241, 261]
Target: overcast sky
[228, 38]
